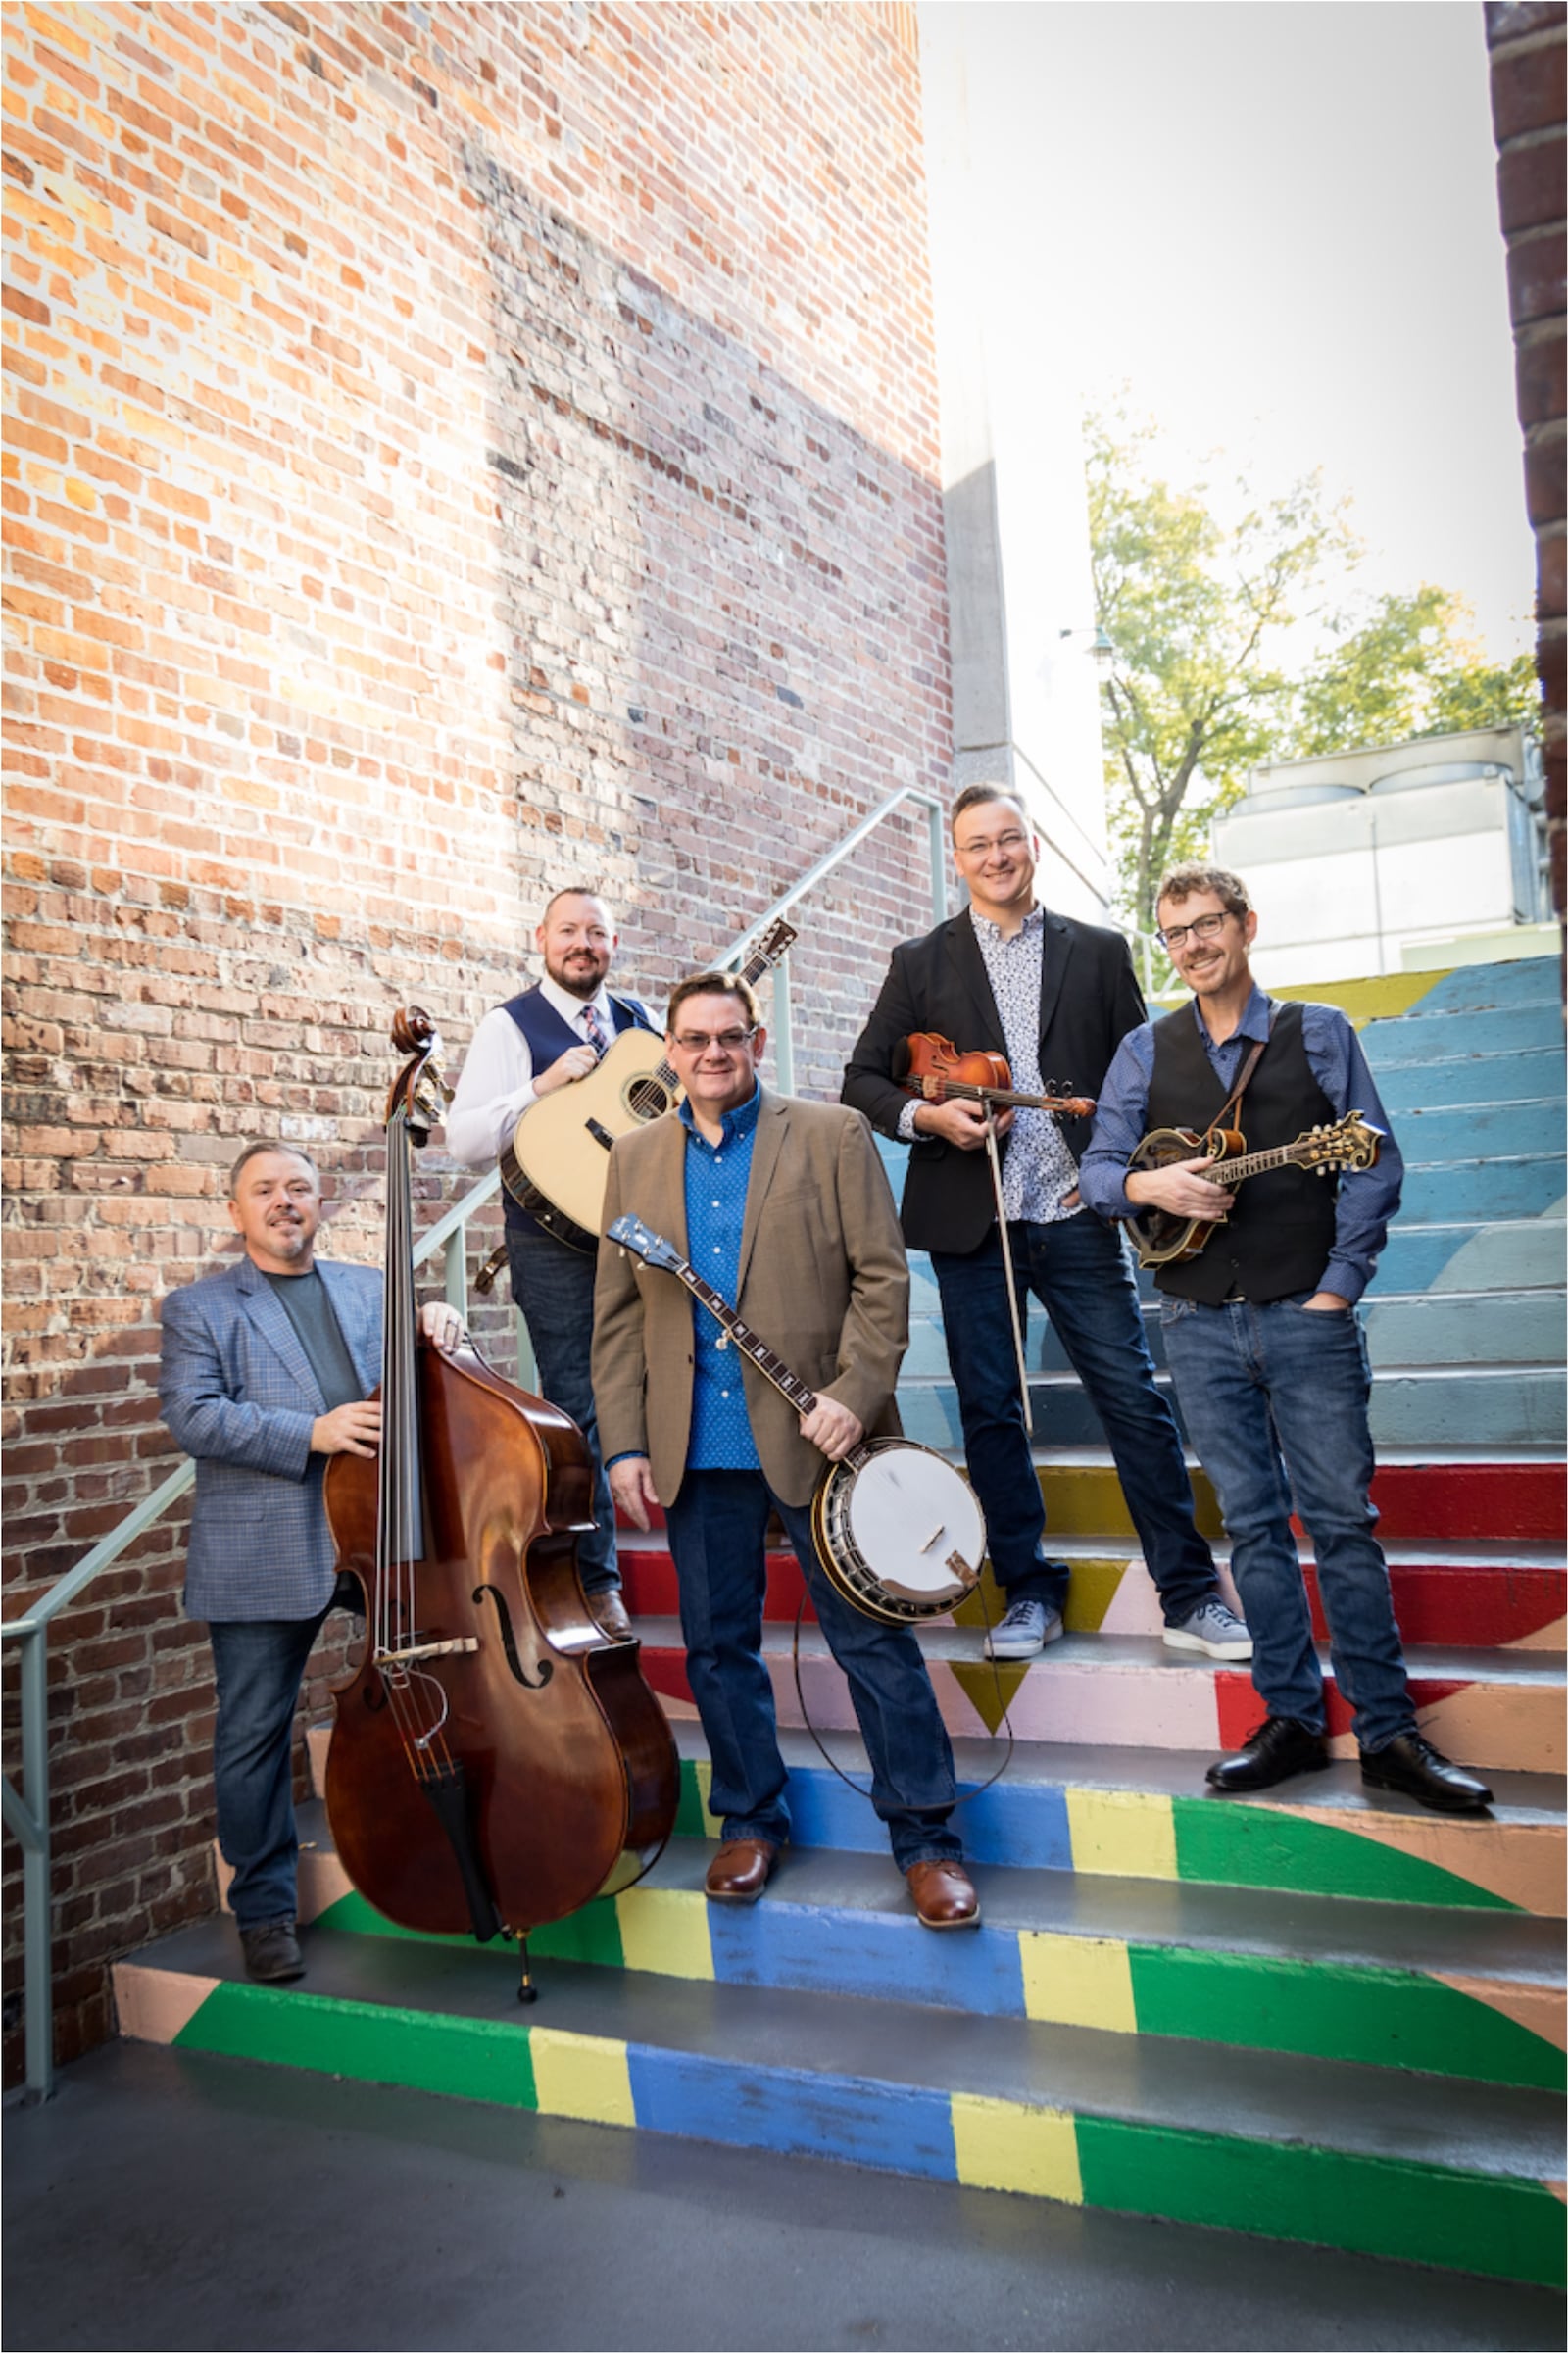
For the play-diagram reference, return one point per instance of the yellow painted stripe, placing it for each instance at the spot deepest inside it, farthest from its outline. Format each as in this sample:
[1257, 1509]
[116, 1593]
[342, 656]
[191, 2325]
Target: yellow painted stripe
[1126, 1833]
[1077, 1980]
[666, 1930]
[711, 1824]
[581, 2074]
[999, 2144]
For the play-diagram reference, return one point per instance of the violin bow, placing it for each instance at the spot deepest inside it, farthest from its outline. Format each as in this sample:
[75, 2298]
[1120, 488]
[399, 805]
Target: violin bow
[995, 1158]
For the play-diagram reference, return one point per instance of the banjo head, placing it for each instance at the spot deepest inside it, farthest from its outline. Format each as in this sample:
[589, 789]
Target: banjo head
[917, 1527]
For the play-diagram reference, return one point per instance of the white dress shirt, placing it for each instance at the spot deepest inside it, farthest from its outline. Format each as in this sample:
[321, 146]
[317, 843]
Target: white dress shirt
[496, 1085]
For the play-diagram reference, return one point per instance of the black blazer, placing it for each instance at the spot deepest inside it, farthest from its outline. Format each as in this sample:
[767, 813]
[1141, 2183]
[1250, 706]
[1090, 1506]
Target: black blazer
[1088, 999]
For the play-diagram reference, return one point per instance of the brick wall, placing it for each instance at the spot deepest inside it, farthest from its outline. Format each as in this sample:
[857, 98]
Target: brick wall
[1526, 39]
[453, 451]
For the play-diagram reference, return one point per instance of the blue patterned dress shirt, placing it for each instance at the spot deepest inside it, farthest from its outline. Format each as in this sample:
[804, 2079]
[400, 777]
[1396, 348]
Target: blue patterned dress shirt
[716, 1178]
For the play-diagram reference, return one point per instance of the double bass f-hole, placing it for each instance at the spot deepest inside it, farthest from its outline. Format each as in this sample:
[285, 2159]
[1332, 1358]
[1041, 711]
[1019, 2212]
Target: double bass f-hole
[509, 1642]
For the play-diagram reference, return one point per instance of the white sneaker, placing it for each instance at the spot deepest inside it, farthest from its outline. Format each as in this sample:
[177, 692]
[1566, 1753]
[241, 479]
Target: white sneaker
[1027, 1627]
[1213, 1628]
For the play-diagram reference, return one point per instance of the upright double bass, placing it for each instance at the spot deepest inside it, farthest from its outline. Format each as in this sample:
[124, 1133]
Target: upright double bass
[497, 1760]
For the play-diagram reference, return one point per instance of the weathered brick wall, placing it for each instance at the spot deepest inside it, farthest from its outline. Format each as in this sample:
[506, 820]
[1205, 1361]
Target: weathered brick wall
[454, 451]
[1526, 39]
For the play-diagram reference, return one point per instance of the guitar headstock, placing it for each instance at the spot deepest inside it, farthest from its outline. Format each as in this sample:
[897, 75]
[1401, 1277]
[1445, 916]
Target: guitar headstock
[1352, 1142]
[643, 1242]
[776, 943]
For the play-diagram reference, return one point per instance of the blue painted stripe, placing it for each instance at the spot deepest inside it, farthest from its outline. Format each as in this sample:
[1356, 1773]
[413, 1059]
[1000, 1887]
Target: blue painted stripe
[1017, 1822]
[1491, 1189]
[827, 1950]
[1436, 1037]
[1503, 1078]
[824, 1813]
[1455, 1132]
[900, 2128]
[1469, 988]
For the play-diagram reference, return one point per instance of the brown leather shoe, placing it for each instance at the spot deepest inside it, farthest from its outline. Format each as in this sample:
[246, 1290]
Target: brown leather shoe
[944, 1896]
[610, 1613]
[738, 1873]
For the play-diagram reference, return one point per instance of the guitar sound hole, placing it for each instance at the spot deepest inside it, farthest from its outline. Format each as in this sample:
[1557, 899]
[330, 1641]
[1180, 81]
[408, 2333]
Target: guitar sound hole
[649, 1098]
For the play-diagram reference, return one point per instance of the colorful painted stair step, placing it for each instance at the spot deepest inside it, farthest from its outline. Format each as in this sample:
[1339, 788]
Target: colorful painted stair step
[1382, 2161]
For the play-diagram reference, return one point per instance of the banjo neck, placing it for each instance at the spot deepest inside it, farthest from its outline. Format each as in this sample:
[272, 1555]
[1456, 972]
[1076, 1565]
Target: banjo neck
[767, 1362]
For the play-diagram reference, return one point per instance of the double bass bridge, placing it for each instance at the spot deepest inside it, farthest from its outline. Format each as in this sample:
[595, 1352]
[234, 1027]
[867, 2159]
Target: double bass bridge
[419, 1650]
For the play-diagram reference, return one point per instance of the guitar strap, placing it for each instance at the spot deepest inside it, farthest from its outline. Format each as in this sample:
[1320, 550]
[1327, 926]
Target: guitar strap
[1226, 1115]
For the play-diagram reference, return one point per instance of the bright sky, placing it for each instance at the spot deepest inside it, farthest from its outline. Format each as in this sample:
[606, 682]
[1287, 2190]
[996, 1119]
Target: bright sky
[1277, 221]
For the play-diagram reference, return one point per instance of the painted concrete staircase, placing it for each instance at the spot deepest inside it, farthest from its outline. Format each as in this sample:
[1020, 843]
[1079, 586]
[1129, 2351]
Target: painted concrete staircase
[1311, 2014]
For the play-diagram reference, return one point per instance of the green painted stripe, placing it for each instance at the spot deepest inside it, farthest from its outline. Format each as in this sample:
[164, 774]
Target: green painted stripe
[1329, 2010]
[471, 2058]
[691, 1819]
[591, 1935]
[1255, 1846]
[1495, 2224]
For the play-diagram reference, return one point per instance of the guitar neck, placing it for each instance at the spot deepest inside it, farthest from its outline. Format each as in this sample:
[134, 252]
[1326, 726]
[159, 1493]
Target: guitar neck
[761, 960]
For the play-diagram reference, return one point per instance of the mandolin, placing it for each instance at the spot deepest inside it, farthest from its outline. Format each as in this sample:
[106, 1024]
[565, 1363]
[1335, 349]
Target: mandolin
[1162, 1238]
[556, 1165]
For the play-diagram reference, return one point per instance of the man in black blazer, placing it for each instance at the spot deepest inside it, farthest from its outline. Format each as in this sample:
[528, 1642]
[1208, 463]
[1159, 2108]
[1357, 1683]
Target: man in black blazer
[1053, 995]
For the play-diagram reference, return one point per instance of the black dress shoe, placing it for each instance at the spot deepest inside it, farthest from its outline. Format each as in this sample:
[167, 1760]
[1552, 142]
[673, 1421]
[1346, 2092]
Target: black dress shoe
[1413, 1767]
[1278, 1747]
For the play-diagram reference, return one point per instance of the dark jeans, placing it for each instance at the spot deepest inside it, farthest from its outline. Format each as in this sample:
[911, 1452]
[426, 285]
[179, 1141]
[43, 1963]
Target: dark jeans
[1275, 1402]
[554, 1287]
[717, 1527]
[258, 1664]
[1078, 1271]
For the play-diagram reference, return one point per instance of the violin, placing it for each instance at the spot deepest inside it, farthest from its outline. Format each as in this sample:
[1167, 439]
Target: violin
[931, 1067]
[497, 1759]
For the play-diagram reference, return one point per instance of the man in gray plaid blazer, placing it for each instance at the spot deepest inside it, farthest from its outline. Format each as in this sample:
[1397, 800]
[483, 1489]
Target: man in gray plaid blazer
[267, 1370]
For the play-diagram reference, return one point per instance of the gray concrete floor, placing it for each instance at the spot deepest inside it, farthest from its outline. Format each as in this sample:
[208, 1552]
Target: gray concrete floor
[169, 2200]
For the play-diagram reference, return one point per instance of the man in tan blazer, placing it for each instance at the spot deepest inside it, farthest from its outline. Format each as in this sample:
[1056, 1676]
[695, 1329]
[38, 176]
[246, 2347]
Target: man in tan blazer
[784, 1207]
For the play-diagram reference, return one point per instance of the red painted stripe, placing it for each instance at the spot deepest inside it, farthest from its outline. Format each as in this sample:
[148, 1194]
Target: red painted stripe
[648, 1580]
[1459, 1502]
[1464, 1605]
[665, 1669]
[1241, 1709]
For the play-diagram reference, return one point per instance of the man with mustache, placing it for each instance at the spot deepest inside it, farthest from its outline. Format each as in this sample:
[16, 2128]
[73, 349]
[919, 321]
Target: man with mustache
[266, 1371]
[547, 1037]
[1263, 1337]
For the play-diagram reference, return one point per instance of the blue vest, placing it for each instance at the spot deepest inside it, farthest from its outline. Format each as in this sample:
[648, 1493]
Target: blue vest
[548, 1038]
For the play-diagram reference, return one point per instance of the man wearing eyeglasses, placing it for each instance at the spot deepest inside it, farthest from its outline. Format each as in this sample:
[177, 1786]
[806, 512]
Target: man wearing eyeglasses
[547, 1037]
[1263, 1337]
[1056, 997]
[784, 1209]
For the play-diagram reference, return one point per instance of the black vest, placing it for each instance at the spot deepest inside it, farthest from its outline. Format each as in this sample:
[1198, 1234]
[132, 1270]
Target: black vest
[549, 1036]
[1279, 1237]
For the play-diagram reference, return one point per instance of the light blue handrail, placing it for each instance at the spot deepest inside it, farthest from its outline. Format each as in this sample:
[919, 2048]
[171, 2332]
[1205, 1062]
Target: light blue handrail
[27, 1811]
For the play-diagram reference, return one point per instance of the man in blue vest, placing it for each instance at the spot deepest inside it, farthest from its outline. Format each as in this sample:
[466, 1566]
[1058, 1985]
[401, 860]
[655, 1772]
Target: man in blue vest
[545, 1038]
[1262, 1334]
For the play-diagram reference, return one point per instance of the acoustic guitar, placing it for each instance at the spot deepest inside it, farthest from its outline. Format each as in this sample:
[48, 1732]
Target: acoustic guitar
[555, 1165]
[1164, 1238]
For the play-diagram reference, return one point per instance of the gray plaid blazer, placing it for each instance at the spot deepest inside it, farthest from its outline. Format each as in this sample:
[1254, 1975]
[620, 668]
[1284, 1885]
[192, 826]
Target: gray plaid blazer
[238, 1392]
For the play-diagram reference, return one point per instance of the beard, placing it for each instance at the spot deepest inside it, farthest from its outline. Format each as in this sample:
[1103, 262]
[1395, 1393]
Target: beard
[579, 974]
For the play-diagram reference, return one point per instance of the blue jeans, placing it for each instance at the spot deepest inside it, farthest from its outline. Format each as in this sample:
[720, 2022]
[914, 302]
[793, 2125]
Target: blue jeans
[1078, 1271]
[258, 1664]
[1275, 1403]
[718, 1524]
[553, 1286]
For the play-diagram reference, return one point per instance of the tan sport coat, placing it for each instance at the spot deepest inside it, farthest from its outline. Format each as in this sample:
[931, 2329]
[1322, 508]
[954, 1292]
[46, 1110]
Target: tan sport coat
[823, 1280]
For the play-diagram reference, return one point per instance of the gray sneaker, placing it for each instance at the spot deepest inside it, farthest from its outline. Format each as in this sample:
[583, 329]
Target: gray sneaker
[1027, 1627]
[1215, 1627]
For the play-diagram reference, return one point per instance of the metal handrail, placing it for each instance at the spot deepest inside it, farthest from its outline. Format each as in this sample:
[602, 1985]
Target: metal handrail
[27, 1814]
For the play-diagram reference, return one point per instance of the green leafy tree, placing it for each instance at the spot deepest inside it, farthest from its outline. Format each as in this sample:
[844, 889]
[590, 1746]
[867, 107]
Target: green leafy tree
[1227, 655]
[1198, 616]
[1407, 670]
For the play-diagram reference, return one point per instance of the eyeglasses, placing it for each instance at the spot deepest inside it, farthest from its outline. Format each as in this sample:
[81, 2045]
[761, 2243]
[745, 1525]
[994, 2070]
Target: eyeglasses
[1202, 927]
[1003, 841]
[729, 1041]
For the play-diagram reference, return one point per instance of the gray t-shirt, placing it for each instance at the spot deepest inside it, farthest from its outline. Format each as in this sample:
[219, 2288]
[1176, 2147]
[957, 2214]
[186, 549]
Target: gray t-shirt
[309, 1311]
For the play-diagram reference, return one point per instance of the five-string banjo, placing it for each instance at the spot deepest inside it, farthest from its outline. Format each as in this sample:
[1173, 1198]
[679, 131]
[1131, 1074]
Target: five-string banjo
[898, 1532]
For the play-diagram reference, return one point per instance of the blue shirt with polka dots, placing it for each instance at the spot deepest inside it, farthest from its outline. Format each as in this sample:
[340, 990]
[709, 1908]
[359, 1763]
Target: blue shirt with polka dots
[716, 1178]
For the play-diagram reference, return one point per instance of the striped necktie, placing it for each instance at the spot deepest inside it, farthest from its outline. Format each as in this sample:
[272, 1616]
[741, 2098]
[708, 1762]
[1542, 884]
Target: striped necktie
[594, 1030]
